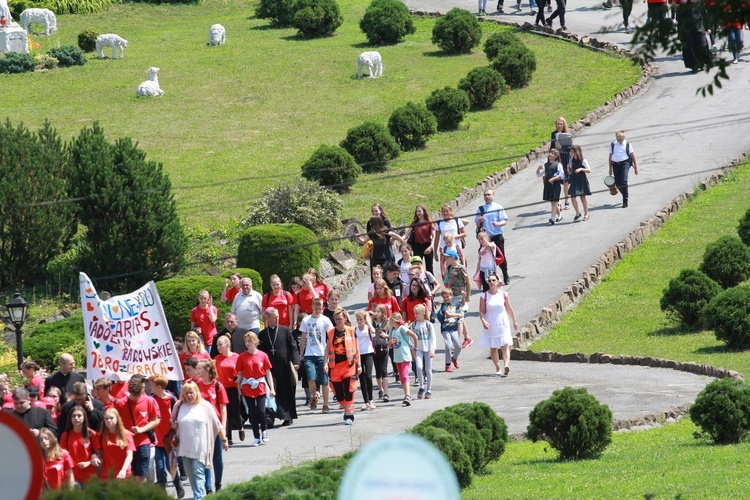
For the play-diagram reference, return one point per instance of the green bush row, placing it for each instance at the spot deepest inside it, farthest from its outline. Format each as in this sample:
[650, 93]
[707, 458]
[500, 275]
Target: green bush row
[65, 55]
[47, 341]
[312, 18]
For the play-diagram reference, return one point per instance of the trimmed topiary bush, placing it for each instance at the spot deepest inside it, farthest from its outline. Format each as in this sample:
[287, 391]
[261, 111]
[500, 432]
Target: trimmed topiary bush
[449, 107]
[463, 431]
[371, 145]
[386, 22]
[333, 167]
[180, 295]
[488, 423]
[68, 55]
[686, 295]
[87, 39]
[497, 41]
[457, 32]
[452, 449]
[96, 489]
[516, 63]
[48, 340]
[727, 261]
[412, 125]
[302, 202]
[13, 62]
[279, 12]
[484, 86]
[722, 411]
[743, 229]
[284, 249]
[728, 315]
[316, 18]
[573, 422]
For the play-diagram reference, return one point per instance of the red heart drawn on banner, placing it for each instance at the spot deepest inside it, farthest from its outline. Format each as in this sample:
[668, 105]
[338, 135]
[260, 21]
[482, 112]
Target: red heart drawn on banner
[89, 290]
[95, 318]
[115, 309]
[89, 307]
[156, 323]
[170, 368]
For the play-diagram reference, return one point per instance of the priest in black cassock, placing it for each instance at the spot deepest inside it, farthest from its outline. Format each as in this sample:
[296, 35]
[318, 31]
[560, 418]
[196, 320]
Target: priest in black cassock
[278, 343]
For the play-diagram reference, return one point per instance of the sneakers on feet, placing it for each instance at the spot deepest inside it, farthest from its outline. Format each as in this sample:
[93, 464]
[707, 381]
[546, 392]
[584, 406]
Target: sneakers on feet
[372, 405]
[420, 394]
[380, 394]
[256, 443]
[518, 7]
[242, 434]
[407, 401]
[455, 363]
[348, 421]
[448, 368]
[558, 218]
[428, 395]
[552, 220]
[577, 217]
[467, 342]
[386, 398]
[264, 436]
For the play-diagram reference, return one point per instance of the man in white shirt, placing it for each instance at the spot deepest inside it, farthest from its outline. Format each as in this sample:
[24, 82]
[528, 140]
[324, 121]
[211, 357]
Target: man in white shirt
[492, 218]
[312, 347]
[247, 306]
[621, 157]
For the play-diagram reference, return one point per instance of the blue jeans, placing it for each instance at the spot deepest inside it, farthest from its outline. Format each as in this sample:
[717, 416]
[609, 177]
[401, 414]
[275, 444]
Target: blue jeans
[196, 472]
[161, 463]
[735, 41]
[218, 465]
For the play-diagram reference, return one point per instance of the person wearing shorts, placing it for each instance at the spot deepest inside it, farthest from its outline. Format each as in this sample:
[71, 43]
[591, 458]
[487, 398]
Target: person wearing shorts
[140, 415]
[313, 344]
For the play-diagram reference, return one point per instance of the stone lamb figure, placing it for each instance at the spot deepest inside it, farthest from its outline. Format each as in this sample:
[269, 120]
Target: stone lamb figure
[371, 61]
[150, 88]
[217, 35]
[111, 40]
[44, 16]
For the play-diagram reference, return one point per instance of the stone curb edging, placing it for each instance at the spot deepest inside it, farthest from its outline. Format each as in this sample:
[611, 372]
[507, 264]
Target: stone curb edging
[467, 195]
[539, 325]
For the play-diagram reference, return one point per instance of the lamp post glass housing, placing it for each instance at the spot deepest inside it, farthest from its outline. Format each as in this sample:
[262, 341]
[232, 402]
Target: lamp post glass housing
[17, 308]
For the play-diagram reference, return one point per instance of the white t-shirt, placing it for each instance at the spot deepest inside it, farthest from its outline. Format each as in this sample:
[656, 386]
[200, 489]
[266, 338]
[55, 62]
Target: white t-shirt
[365, 343]
[316, 330]
[248, 309]
[448, 226]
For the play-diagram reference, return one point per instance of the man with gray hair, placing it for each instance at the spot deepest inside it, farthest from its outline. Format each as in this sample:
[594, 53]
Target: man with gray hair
[247, 306]
[66, 376]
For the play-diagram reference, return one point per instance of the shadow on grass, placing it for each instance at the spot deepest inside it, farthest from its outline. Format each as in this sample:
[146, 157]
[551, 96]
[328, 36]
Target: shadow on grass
[266, 27]
[440, 53]
[365, 45]
[672, 330]
[715, 349]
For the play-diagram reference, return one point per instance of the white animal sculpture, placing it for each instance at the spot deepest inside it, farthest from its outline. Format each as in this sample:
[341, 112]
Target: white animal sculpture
[44, 16]
[217, 35]
[111, 40]
[150, 88]
[371, 61]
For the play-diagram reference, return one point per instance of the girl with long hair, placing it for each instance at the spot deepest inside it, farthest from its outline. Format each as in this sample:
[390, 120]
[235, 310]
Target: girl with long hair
[420, 235]
[192, 347]
[117, 447]
[82, 443]
[58, 466]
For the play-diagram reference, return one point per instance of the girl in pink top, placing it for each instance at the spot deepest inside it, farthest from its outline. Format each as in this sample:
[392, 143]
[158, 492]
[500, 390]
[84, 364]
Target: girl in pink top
[204, 315]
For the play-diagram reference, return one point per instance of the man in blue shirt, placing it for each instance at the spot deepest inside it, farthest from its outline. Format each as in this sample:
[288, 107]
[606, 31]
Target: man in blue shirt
[491, 218]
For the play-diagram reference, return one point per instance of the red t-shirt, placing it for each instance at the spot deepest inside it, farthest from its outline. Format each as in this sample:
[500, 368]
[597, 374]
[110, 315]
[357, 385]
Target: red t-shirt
[119, 390]
[408, 304]
[208, 328]
[197, 355]
[39, 382]
[210, 393]
[144, 411]
[231, 294]
[56, 471]
[113, 456]
[281, 302]
[391, 304]
[80, 451]
[165, 410]
[226, 370]
[253, 366]
[305, 297]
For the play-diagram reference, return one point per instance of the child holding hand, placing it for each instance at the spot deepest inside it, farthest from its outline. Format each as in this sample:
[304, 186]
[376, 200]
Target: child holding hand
[403, 342]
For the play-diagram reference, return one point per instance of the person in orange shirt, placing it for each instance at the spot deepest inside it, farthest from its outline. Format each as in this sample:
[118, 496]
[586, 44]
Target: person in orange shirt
[342, 361]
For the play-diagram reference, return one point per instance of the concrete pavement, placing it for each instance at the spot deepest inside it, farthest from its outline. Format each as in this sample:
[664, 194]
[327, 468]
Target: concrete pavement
[674, 133]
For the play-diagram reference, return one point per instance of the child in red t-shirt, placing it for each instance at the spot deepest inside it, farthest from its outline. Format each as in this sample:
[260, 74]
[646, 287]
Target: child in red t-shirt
[58, 466]
[204, 316]
[80, 442]
[254, 373]
[117, 447]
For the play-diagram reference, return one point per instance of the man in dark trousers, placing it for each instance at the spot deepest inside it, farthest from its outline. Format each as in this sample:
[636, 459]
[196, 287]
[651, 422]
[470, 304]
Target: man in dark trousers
[33, 417]
[278, 343]
[65, 377]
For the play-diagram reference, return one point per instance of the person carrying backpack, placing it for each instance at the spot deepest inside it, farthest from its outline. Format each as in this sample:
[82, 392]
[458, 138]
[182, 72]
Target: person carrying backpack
[621, 158]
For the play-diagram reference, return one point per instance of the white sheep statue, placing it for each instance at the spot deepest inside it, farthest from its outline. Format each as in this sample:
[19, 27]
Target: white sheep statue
[150, 88]
[217, 35]
[44, 16]
[371, 61]
[111, 40]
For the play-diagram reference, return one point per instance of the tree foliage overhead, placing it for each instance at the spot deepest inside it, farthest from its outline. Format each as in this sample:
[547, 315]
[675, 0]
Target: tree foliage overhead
[132, 228]
[33, 171]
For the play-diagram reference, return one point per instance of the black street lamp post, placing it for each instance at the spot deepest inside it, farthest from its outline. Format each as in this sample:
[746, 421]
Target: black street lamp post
[17, 308]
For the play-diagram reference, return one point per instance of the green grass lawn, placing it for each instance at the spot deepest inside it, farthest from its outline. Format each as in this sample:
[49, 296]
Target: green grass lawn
[622, 315]
[666, 462]
[246, 115]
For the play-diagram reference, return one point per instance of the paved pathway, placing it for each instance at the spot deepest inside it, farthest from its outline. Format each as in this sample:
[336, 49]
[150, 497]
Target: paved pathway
[674, 133]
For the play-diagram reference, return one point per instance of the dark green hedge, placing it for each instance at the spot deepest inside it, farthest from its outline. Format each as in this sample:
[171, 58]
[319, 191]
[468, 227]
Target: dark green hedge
[47, 341]
[488, 423]
[284, 249]
[463, 431]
